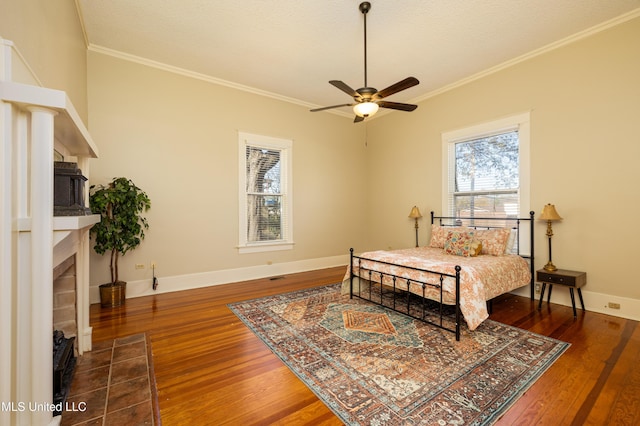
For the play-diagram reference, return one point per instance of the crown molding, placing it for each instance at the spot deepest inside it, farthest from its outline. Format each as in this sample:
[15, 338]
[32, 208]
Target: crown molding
[537, 52]
[192, 74]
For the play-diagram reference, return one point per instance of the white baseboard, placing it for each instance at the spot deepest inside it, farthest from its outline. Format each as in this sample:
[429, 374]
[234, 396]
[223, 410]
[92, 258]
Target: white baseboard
[593, 302]
[205, 279]
[87, 334]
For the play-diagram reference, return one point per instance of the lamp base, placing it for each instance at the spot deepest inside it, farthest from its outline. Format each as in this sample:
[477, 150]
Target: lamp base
[550, 267]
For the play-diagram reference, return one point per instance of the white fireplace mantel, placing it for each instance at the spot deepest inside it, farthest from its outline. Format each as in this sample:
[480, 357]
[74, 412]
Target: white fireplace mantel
[33, 122]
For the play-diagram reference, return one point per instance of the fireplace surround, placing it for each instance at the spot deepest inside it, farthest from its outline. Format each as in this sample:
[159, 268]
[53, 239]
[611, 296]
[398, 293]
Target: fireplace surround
[35, 122]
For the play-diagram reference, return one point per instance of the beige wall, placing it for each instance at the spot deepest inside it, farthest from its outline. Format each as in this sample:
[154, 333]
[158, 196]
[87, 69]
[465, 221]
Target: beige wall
[176, 137]
[584, 100]
[49, 37]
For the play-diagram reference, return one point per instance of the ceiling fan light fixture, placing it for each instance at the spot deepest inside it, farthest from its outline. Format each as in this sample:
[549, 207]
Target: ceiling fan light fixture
[365, 109]
[368, 99]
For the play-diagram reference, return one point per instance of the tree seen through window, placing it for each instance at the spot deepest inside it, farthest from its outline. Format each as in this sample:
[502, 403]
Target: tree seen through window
[487, 176]
[264, 197]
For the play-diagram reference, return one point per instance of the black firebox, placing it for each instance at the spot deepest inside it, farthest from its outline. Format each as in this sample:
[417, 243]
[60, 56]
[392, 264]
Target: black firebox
[64, 363]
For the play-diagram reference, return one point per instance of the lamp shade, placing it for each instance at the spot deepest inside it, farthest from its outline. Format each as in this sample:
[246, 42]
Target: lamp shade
[365, 109]
[415, 213]
[549, 213]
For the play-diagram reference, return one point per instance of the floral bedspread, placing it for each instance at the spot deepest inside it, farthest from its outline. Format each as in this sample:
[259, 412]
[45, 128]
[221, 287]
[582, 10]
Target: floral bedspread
[481, 278]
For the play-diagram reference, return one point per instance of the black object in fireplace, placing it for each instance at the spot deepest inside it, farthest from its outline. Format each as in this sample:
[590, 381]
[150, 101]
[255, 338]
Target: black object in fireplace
[64, 364]
[68, 190]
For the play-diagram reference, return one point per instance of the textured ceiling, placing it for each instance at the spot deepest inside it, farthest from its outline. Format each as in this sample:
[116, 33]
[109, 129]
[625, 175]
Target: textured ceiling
[292, 48]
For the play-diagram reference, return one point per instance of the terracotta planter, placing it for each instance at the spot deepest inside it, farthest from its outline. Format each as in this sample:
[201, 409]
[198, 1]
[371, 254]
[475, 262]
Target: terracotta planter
[112, 295]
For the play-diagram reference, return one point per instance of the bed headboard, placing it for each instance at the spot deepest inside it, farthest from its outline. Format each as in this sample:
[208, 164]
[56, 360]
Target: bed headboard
[522, 226]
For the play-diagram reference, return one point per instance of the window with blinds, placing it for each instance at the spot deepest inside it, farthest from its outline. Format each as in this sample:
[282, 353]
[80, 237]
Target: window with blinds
[265, 197]
[486, 176]
[487, 172]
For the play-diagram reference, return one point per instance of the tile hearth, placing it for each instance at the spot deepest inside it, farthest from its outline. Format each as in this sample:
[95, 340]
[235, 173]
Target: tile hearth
[112, 385]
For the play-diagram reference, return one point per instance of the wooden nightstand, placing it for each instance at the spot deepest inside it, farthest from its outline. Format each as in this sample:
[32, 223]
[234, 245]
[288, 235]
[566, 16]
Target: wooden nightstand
[571, 279]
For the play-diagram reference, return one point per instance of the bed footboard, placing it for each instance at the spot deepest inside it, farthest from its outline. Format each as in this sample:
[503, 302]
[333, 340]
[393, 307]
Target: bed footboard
[394, 292]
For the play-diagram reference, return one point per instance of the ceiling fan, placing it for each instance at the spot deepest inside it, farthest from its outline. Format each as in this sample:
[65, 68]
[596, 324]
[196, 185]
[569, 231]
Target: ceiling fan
[368, 99]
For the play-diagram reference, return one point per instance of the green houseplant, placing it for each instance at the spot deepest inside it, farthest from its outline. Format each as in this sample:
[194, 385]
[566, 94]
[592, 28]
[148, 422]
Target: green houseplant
[121, 228]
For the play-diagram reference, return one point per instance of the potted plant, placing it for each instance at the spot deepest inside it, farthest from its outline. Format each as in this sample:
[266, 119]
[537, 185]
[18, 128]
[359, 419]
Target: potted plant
[121, 228]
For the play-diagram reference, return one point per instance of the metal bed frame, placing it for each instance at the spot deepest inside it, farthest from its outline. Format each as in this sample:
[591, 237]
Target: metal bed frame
[399, 299]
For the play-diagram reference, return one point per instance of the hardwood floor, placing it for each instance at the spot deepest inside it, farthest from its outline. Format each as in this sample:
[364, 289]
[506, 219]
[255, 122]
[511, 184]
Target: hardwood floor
[210, 369]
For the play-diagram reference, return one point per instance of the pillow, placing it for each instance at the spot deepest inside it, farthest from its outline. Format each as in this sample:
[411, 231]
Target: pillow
[510, 241]
[459, 243]
[494, 241]
[476, 248]
[439, 234]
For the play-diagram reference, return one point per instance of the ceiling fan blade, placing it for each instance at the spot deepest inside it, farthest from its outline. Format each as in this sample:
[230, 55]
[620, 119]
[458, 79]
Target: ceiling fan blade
[345, 88]
[397, 105]
[366, 95]
[329, 107]
[395, 88]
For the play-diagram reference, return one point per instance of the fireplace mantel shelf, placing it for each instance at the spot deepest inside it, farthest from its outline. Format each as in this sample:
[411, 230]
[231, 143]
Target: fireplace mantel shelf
[61, 223]
[68, 125]
[63, 226]
[68, 223]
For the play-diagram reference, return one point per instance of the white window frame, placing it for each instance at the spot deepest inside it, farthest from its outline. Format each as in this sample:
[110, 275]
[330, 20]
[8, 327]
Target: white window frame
[285, 146]
[519, 122]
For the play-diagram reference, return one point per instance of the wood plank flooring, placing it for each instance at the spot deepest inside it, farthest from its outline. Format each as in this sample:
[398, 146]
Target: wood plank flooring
[210, 369]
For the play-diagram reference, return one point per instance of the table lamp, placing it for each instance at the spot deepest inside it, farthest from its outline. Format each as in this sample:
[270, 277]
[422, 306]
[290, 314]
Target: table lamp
[415, 214]
[550, 214]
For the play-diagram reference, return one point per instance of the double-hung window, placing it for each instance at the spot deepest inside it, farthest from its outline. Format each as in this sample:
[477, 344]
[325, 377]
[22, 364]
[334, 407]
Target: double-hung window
[265, 193]
[486, 170]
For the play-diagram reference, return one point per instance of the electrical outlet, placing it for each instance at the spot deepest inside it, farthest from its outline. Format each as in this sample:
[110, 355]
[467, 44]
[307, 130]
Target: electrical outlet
[538, 288]
[614, 305]
[153, 265]
[139, 265]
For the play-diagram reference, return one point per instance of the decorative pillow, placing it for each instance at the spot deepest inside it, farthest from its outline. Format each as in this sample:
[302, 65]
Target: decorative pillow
[459, 243]
[438, 235]
[494, 241]
[476, 248]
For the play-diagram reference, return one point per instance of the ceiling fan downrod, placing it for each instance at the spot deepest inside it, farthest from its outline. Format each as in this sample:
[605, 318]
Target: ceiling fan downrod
[365, 7]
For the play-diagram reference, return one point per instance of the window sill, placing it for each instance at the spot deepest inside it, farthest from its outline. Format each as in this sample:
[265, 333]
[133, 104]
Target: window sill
[263, 247]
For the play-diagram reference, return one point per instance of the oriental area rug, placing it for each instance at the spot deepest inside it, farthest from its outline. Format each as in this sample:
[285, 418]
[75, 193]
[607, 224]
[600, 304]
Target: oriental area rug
[372, 366]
